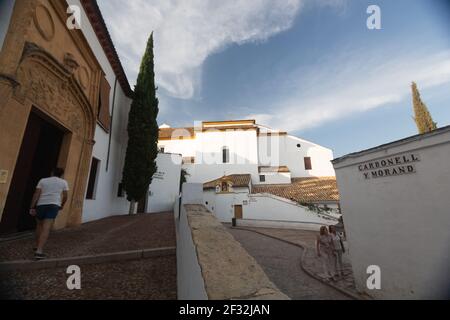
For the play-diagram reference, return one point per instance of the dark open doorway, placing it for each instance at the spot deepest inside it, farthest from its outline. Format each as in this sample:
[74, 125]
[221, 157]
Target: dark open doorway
[38, 155]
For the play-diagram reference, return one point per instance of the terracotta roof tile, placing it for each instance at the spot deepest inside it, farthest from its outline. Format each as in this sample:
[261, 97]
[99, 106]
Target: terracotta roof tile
[238, 180]
[306, 190]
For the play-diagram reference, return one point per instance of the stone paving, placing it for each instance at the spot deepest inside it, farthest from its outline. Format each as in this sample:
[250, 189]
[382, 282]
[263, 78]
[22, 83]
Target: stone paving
[143, 231]
[281, 262]
[153, 278]
[311, 263]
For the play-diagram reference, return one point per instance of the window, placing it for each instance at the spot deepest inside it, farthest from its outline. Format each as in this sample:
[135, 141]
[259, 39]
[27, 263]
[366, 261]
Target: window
[161, 149]
[225, 155]
[93, 175]
[308, 165]
[103, 116]
[299, 145]
[120, 192]
[262, 178]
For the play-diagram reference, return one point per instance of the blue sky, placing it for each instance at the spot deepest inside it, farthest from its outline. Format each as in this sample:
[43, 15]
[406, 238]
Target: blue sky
[310, 67]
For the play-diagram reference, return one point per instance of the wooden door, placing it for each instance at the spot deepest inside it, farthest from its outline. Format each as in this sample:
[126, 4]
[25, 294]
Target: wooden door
[238, 212]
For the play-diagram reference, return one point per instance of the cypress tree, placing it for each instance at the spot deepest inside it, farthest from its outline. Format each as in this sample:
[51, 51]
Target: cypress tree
[422, 116]
[142, 150]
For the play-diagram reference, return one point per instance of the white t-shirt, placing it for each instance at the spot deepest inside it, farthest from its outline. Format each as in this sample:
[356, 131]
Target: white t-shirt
[51, 189]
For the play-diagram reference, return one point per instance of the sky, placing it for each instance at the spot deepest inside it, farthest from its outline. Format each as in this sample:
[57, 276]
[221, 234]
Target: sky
[309, 67]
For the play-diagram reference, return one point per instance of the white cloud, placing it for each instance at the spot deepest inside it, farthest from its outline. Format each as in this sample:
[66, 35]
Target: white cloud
[355, 86]
[187, 32]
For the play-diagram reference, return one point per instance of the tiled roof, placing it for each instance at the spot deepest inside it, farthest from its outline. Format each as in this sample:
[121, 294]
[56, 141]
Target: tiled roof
[274, 169]
[181, 133]
[306, 190]
[237, 180]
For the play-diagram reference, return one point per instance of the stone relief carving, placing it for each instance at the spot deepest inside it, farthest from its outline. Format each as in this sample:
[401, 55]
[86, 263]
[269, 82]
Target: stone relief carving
[51, 93]
[44, 22]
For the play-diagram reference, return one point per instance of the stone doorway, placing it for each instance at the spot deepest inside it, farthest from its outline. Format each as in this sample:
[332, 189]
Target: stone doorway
[38, 155]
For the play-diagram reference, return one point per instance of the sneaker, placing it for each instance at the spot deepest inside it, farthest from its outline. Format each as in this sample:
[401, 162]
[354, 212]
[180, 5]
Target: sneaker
[39, 256]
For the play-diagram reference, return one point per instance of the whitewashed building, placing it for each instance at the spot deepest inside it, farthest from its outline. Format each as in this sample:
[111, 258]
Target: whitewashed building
[214, 149]
[64, 102]
[396, 210]
[245, 166]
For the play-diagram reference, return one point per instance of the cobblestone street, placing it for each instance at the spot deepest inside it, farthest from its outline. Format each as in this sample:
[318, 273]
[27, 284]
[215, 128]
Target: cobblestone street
[151, 278]
[281, 262]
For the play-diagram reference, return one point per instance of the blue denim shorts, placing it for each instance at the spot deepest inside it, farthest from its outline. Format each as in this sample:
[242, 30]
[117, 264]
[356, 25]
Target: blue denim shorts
[47, 212]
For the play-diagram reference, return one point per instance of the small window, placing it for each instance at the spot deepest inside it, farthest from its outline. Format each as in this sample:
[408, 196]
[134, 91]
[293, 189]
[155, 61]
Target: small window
[120, 192]
[162, 149]
[308, 164]
[262, 178]
[299, 145]
[93, 177]
[225, 155]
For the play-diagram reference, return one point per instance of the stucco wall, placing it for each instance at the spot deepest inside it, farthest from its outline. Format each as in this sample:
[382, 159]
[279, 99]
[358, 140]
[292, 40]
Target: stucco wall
[165, 186]
[400, 223]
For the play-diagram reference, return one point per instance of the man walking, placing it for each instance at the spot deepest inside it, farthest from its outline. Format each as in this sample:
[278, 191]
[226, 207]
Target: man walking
[50, 197]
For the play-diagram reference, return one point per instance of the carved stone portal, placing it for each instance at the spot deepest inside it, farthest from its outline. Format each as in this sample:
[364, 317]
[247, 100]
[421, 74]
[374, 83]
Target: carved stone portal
[51, 87]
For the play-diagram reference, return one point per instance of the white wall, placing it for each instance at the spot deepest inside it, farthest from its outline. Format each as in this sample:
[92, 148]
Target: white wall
[275, 178]
[222, 204]
[190, 283]
[260, 207]
[106, 202]
[400, 223]
[293, 157]
[272, 208]
[185, 147]
[207, 150]
[280, 224]
[247, 152]
[165, 186]
[192, 193]
[6, 9]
